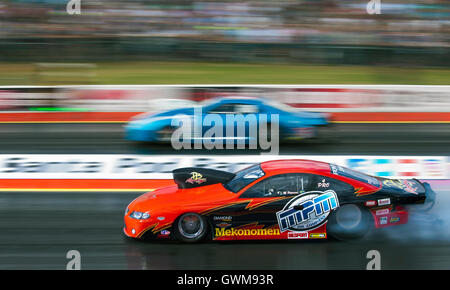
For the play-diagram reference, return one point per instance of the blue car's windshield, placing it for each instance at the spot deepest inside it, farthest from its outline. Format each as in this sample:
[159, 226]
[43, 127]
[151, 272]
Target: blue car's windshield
[244, 177]
[281, 106]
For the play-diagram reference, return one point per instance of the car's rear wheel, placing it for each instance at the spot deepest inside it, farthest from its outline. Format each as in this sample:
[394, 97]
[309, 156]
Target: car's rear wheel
[350, 221]
[190, 228]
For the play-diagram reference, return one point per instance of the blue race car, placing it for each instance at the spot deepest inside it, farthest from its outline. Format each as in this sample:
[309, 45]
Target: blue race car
[160, 127]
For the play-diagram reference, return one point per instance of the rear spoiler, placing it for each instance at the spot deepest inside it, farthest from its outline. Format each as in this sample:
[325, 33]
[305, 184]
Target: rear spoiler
[190, 177]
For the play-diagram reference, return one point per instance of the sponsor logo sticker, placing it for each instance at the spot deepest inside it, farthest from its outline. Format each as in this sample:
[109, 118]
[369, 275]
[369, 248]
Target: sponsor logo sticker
[401, 184]
[224, 218]
[394, 220]
[307, 211]
[297, 235]
[222, 232]
[384, 201]
[334, 169]
[195, 178]
[317, 235]
[223, 225]
[323, 184]
[382, 211]
[383, 220]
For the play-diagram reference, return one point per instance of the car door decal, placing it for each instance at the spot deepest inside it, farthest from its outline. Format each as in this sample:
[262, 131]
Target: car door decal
[307, 211]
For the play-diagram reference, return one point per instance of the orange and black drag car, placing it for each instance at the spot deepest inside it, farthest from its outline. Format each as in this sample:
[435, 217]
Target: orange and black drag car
[283, 199]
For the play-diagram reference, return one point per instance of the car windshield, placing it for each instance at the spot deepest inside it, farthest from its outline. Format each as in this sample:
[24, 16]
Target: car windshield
[244, 177]
[346, 172]
[281, 106]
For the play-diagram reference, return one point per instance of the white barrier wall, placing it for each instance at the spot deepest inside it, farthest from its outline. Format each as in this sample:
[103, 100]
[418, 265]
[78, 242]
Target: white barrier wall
[326, 98]
[56, 166]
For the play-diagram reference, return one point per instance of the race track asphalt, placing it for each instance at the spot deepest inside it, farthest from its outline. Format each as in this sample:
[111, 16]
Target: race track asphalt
[39, 228]
[382, 139]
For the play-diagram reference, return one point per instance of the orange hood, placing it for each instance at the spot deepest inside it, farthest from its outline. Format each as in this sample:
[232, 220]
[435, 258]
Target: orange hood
[171, 197]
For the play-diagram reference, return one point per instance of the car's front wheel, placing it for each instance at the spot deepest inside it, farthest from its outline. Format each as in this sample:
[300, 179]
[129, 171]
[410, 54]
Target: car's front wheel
[190, 228]
[350, 221]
